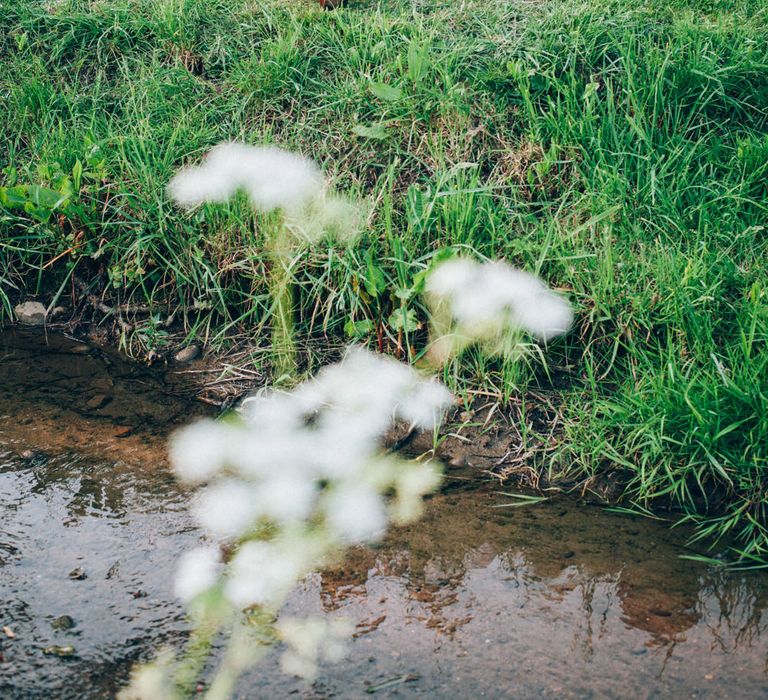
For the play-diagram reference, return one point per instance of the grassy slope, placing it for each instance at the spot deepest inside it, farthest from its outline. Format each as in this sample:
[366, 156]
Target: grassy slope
[621, 151]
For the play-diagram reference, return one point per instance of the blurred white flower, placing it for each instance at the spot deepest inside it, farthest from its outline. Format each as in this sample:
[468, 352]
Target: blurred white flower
[272, 178]
[412, 484]
[425, 406]
[328, 216]
[287, 496]
[299, 476]
[153, 681]
[262, 573]
[199, 451]
[274, 411]
[492, 298]
[227, 508]
[452, 277]
[198, 570]
[311, 640]
[355, 513]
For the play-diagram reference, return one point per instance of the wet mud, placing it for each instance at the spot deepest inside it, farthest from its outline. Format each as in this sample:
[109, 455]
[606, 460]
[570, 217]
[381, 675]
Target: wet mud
[476, 600]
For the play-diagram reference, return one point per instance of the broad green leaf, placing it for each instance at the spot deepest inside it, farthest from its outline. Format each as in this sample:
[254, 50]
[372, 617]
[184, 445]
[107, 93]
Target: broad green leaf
[377, 131]
[402, 320]
[386, 92]
[375, 282]
[358, 329]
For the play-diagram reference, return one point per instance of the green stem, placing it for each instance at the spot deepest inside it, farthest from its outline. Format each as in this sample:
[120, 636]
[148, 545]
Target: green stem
[281, 290]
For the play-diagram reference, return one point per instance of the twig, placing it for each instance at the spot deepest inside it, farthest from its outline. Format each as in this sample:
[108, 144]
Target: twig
[99, 305]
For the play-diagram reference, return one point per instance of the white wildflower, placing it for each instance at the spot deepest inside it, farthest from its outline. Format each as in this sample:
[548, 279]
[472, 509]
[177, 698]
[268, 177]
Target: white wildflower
[492, 298]
[287, 496]
[413, 483]
[254, 454]
[198, 571]
[272, 178]
[153, 681]
[226, 508]
[199, 451]
[273, 411]
[544, 315]
[328, 216]
[425, 406]
[310, 640]
[451, 277]
[262, 573]
[355, 513]
[362, 381]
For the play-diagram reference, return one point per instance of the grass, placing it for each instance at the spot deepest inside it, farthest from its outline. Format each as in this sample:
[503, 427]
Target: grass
[619, 149]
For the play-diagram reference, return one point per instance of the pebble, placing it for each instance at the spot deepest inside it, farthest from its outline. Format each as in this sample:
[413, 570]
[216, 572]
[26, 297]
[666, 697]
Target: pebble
[81, 349]
[191, 352]
[78, 574]
[30, 313]
[123, 431]
[98, 401]
[64, 622]
[569, 554]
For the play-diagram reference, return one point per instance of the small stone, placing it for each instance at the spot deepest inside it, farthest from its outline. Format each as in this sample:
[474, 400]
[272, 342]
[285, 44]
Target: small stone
[191, 352]
[78, 574]
[459, 462]
[569, 554]
[64, 622]
[81, 349]
[98, 401]
[123, 431]
[57, 311]
[63, 652]
[30, 313]
[8, 632]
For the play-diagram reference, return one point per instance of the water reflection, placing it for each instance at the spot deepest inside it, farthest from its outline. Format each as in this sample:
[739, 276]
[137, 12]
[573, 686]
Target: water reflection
[472, 601]
[587, 602]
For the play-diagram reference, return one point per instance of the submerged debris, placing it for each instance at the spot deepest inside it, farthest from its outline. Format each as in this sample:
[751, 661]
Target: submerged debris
[63, 622]
[63, 652]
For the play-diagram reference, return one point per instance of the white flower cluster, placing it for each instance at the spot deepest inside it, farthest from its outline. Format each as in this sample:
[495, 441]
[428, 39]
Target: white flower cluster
[311, 640]
[302, 474]
[474, 301]
[273, 179]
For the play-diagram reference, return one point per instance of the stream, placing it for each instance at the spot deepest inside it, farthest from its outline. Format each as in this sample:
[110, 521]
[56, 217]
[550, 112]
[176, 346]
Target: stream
[557, 599]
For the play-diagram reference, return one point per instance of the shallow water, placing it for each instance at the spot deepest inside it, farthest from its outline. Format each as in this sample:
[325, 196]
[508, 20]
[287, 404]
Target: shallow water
[555, 599]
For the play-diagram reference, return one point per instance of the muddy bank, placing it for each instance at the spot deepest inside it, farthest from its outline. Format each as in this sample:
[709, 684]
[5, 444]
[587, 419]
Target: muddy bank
[58, 394]
[476, 600]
